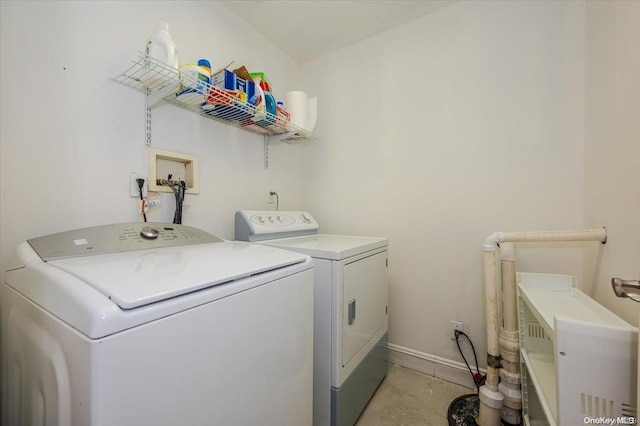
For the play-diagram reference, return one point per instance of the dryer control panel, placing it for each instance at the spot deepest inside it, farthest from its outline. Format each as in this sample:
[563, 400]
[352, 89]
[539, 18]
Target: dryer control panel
[117, 238]
[259, 225]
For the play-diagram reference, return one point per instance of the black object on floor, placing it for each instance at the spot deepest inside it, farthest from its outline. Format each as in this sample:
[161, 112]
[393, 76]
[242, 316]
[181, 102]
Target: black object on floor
[463, 410]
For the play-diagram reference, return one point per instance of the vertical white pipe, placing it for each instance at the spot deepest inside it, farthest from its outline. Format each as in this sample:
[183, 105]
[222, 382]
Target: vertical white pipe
[490, 398]
[508, 268]
[490, 299]
[509, 338]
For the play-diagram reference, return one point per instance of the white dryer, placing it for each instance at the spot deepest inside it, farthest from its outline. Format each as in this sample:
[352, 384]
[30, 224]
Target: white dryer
[156, 324]
[350, 308]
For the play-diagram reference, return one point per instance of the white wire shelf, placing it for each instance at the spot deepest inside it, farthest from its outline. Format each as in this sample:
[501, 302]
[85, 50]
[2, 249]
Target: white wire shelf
[163, 83]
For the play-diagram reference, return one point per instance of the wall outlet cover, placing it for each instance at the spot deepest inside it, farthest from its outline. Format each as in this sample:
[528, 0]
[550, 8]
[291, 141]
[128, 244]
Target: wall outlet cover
[133, 185]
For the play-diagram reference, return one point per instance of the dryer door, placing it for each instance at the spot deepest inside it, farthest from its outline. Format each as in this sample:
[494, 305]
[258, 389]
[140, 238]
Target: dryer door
[364, 303]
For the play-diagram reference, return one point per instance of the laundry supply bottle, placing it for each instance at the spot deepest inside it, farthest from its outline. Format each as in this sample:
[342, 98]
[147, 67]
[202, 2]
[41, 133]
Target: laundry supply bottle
[161, 47]
[263, 86]
[282, 115]
[259, 103]
[195, 81]
[270, 104]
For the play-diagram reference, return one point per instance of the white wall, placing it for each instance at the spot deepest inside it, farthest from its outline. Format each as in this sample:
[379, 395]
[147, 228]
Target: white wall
[70, 135]
[612, 147]
[437, 133]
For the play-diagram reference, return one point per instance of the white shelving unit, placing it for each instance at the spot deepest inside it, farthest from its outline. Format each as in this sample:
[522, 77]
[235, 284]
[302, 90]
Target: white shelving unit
[160, 83]
[578, 359]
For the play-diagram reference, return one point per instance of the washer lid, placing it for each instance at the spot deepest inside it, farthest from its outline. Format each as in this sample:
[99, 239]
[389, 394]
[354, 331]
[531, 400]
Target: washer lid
[326, 246]
[136, 278]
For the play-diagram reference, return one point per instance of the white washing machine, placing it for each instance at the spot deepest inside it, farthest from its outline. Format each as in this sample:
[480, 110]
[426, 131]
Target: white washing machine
[156, 324]
[350, 308]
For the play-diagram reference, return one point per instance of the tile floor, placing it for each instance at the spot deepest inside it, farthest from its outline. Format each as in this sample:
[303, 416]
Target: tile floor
[409, 398]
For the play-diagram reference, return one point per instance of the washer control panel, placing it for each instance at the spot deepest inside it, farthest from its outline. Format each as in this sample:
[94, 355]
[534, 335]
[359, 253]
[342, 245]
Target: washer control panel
[257, 225]
[117, 238]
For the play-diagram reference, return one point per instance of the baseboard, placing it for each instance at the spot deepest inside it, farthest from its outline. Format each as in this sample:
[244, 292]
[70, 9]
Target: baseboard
[432, 365]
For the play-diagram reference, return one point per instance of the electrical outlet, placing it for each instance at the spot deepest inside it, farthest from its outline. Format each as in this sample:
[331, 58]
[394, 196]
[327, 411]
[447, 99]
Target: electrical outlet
[456, 325]
[133, 185]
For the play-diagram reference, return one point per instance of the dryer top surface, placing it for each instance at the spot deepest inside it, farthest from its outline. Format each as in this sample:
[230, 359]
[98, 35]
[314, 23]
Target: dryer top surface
[328, 246]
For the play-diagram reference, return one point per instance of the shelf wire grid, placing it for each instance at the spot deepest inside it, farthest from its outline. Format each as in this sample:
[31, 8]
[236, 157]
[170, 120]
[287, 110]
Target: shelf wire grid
[162, 82]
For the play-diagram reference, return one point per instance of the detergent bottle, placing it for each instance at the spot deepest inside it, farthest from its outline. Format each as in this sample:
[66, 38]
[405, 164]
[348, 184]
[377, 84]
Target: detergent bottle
[161, 47]
[262, 84]
[259, 103]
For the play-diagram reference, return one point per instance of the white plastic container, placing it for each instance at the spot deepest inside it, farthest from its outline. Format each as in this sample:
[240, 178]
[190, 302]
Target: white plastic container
[195, 82]
[260, 104]
[161, 47]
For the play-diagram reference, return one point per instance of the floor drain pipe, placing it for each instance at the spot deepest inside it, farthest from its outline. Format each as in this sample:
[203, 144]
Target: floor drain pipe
[491, 400]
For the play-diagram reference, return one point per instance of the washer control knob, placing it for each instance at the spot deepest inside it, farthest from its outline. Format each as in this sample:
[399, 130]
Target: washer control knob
[149, 233]
[279, 218]
[305, 218]
[260, 219]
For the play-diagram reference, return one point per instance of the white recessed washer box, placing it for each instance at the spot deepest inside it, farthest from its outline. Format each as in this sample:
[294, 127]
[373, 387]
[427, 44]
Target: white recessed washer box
[180, 166]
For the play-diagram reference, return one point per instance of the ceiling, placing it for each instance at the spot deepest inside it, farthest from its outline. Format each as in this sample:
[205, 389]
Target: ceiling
[307, 29]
